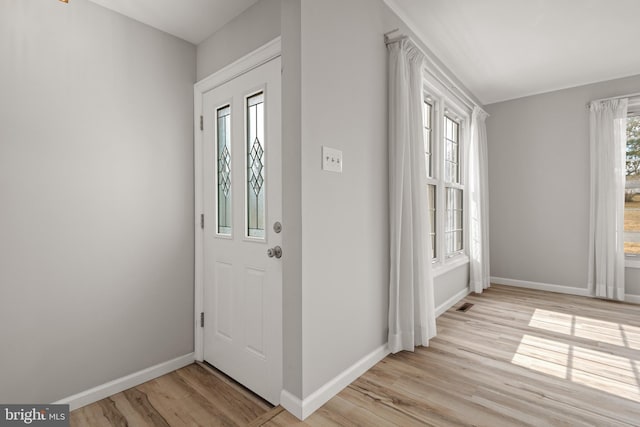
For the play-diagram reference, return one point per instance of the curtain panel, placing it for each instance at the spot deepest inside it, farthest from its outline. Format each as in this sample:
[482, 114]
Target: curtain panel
[478, 203]
[411, 299]
[607, 120]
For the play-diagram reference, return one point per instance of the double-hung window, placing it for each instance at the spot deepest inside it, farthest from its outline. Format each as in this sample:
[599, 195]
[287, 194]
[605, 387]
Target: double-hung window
[632, 184]
[432, 182]
[453, 187]
[444, 137]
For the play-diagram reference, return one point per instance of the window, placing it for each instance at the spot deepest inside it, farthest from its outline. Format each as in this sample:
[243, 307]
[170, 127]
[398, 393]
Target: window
[632, 188]
[255, 166]
[428, 144]
[427, 118]
[453, 226]
[223, 150]
[444, 130]
[452, 157]
[431, 194]
[453, 230]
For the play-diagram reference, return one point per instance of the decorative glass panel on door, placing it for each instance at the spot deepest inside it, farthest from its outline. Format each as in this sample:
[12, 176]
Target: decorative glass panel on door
[255, 166]
[223, 150]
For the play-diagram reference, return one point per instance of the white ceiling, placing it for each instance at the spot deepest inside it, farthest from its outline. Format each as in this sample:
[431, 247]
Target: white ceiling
[506, 49]
[190, 20]
[499, 49]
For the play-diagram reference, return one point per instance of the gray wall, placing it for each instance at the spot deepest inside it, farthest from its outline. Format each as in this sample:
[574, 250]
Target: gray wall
[292, 196]
[248, 31]
[345, 255]
[632, 281]
[336, 225]
[96, 179]
[96, 188]
[539, 185]
[256, 26]
[448, 285]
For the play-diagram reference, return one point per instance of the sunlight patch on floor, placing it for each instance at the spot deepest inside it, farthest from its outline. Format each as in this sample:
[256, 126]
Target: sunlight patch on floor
[611, 369]
[627, 336]
[552, 360]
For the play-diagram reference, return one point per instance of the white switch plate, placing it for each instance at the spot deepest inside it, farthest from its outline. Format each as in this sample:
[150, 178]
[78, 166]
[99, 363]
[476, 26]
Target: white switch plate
[331, 159]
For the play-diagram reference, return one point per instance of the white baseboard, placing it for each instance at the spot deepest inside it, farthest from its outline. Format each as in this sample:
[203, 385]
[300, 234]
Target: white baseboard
[116, 386]
[292, 404]
[303, 408]
[541, 286]
[635, 299]
[584, 292]
[452, 301]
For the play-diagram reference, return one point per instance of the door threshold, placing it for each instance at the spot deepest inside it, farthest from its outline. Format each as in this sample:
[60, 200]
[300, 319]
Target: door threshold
[230, 381]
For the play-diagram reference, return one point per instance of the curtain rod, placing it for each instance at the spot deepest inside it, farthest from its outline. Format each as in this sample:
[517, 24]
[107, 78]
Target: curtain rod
[630, 95]
[449, 84]
[388, 40]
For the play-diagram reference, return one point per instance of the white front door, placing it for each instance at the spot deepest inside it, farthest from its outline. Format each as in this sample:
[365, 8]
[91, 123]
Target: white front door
[242, 203]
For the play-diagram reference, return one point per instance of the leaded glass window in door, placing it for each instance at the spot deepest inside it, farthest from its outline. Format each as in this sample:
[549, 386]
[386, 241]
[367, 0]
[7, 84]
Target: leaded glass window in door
[223, 151]
[255, 166]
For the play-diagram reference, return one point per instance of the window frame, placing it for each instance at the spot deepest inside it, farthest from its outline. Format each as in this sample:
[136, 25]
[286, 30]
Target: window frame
[442, 103]
[632, 260]
[433, 179]
[216, 179]
[247, 237]
[452, 114]
[228, 232]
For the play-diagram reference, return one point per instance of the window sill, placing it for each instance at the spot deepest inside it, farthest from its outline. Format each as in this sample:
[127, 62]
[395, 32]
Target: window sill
[632, 261]
[457, 261]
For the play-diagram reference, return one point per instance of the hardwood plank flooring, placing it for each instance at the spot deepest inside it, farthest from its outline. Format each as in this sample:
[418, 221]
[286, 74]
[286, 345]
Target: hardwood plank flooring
[518, 357]
[195, 395]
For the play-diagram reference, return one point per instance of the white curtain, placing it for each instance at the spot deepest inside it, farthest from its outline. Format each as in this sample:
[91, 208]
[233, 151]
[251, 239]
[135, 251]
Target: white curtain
[411, 303]
[478, 203]
[606, 230]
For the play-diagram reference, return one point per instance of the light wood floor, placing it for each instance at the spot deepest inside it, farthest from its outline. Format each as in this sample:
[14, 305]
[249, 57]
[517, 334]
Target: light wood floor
[517, 357]
[192, 396]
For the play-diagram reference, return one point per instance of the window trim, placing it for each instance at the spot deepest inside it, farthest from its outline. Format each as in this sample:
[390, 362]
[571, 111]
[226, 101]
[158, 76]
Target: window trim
[432, 105]
[462, 230]
[632, 260]
[226, 103]
[450, 264]
[435, 166]
[442, 100]
[448, 117]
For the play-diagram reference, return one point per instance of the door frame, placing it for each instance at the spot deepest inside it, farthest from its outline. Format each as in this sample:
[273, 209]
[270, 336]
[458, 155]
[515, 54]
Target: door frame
[253, 60]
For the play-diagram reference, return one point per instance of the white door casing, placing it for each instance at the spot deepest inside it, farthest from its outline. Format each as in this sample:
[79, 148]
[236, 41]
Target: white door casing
[238, 287]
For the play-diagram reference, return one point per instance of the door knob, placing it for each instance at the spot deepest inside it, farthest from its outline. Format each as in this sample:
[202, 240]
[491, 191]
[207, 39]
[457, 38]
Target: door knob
[276, 251]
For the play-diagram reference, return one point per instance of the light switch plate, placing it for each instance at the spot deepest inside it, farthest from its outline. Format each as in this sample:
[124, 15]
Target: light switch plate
[331, 159]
